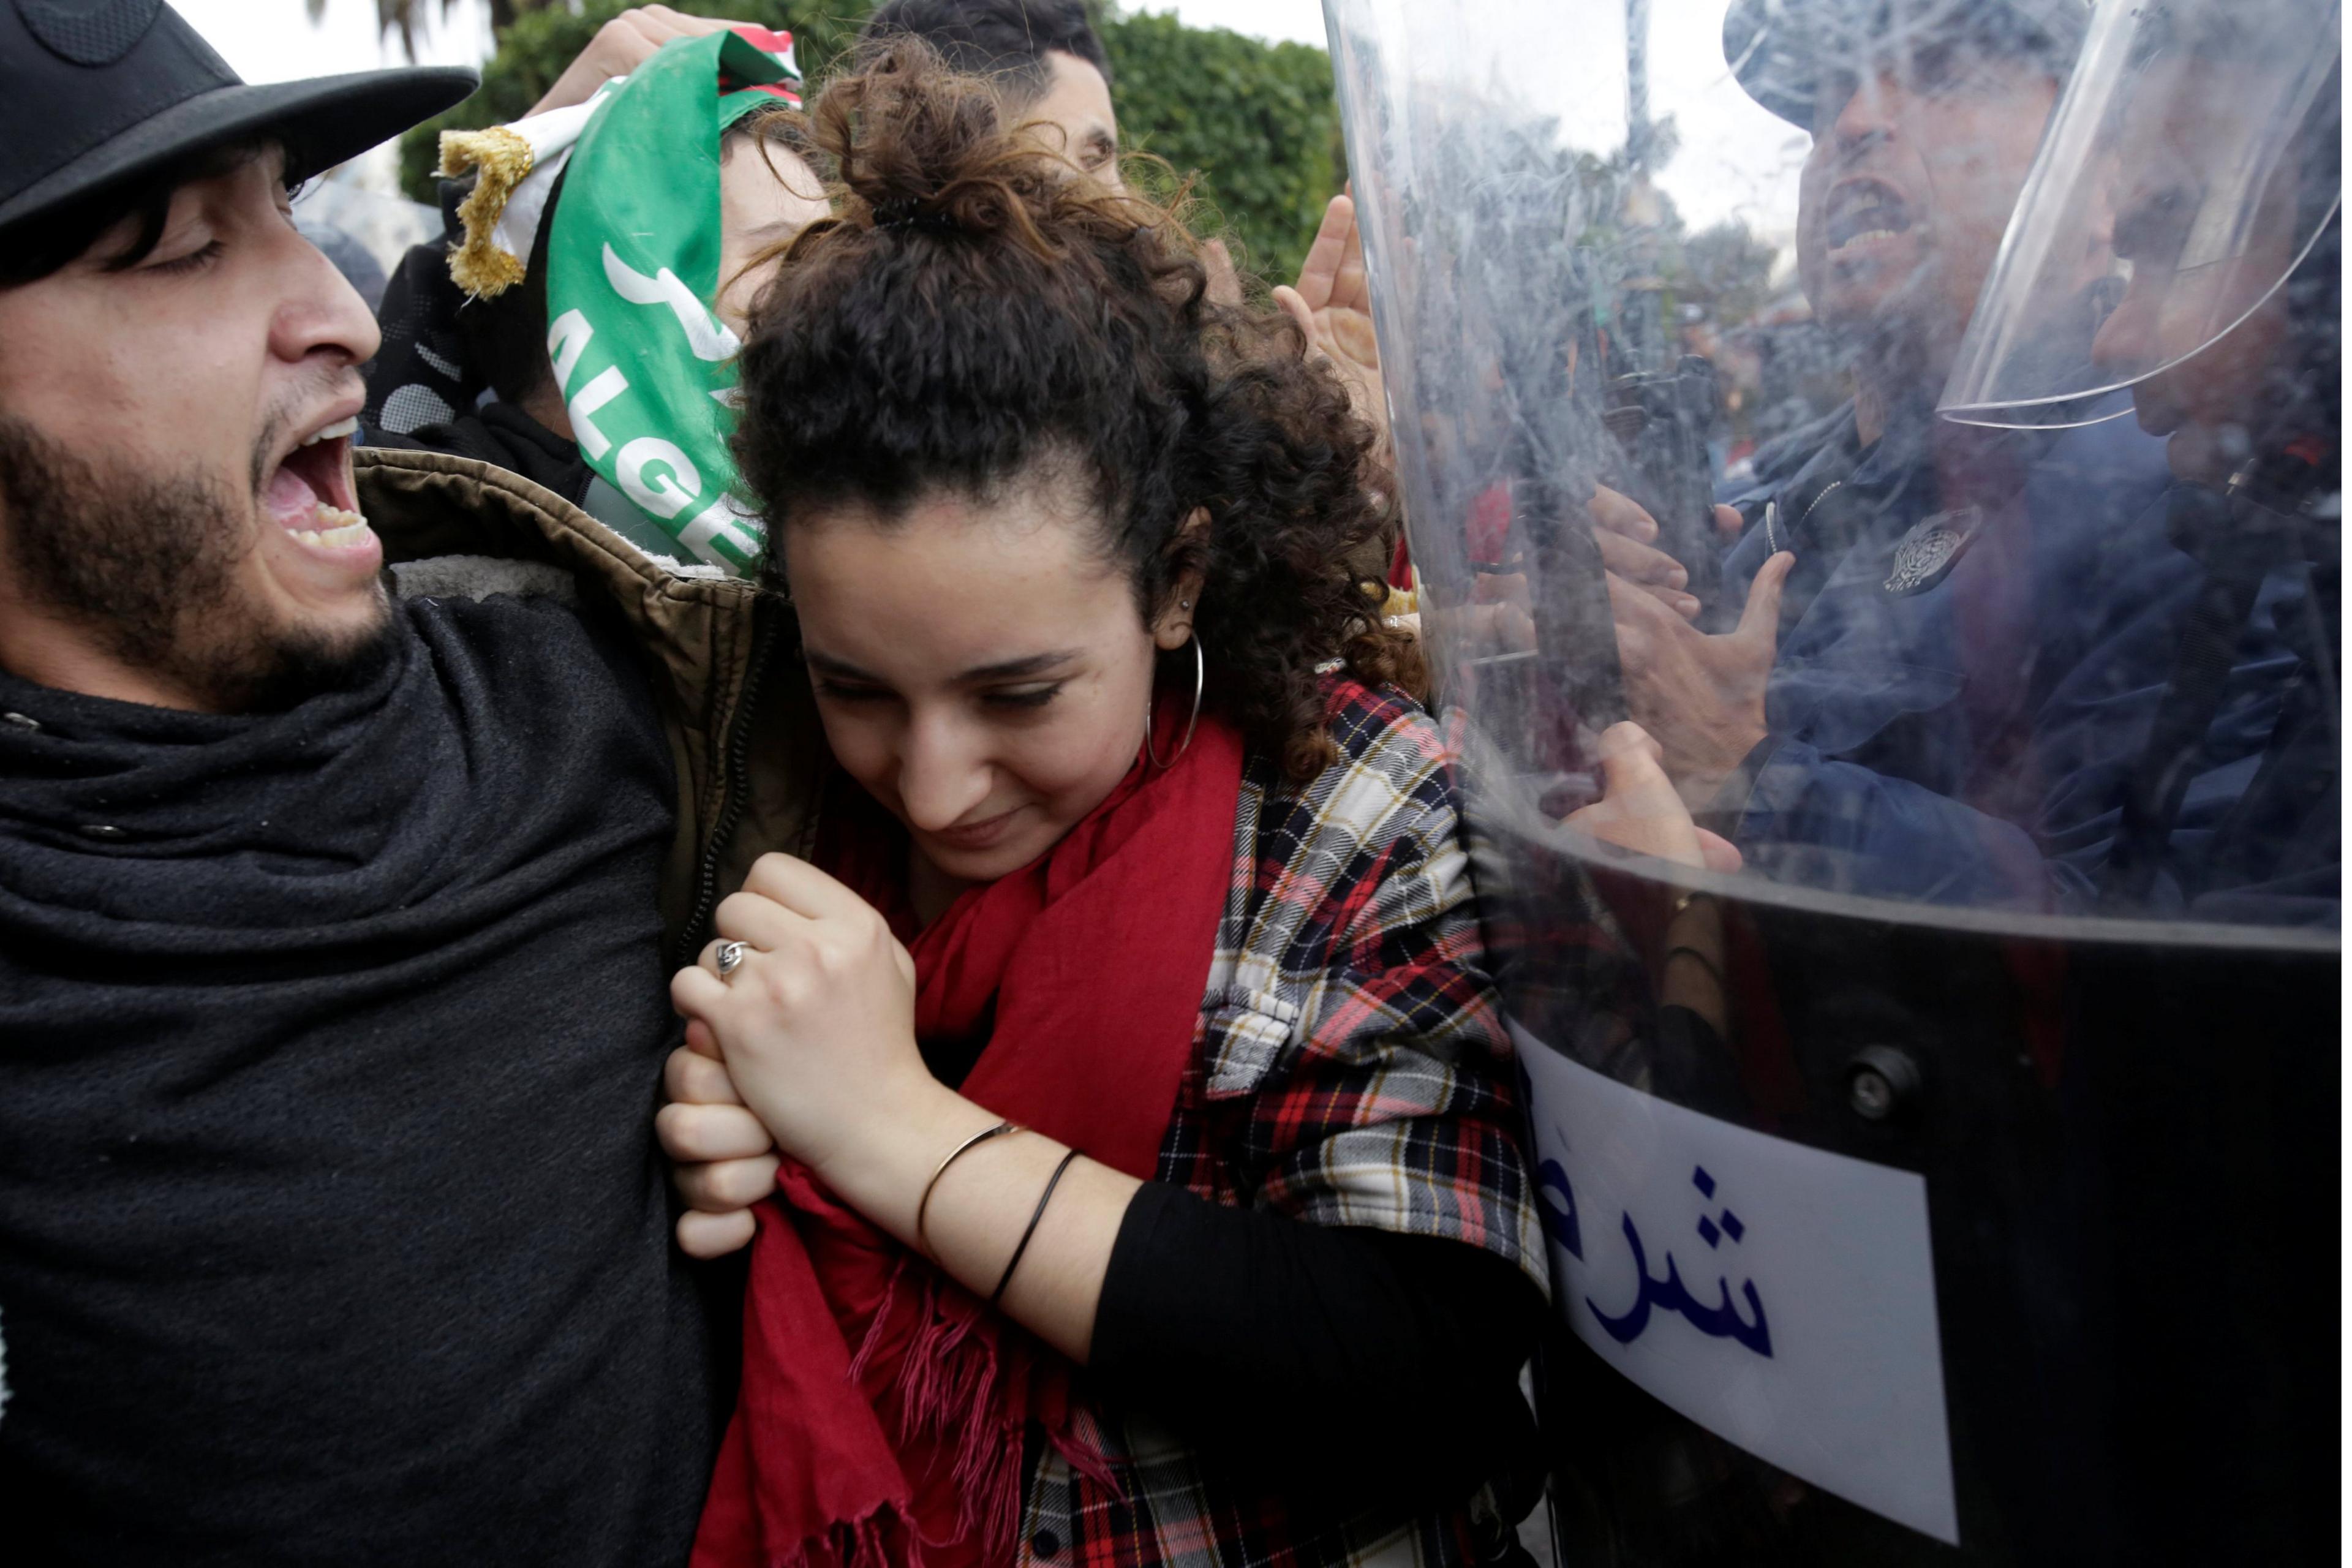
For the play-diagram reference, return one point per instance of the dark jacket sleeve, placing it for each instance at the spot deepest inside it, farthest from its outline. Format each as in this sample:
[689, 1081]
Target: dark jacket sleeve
[1368, 1366]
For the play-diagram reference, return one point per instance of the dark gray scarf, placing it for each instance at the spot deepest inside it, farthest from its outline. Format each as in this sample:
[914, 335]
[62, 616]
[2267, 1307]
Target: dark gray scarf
[331, 1230]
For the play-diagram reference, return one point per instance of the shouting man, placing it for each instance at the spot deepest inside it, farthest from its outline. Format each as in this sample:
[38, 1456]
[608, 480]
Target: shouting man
[332, 999]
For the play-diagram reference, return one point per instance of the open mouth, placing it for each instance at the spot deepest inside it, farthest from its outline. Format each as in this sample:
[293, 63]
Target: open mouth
[1864, 213]
[309, 493]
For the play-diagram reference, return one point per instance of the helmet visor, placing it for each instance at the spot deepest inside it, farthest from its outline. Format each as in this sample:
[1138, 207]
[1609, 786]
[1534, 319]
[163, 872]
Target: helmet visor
[2172, 196]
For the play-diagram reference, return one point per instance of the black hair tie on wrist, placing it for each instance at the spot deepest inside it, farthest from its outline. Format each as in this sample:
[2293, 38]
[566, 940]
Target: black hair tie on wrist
[1043, 1199]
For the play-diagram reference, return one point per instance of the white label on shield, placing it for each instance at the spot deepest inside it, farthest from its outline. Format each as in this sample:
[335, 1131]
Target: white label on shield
[1783, 1298]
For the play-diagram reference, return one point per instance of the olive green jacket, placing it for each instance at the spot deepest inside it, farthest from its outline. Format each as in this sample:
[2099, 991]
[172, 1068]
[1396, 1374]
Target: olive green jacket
[743, 733]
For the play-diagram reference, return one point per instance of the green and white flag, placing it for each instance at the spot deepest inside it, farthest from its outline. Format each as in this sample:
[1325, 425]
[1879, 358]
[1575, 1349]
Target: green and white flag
[646, 368]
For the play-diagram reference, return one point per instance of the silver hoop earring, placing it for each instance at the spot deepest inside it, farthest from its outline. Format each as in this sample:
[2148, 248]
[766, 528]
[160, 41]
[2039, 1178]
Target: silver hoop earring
[1200, 683]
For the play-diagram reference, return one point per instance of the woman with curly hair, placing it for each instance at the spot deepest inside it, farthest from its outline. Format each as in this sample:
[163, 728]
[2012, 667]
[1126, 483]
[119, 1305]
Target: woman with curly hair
[1148, 1187]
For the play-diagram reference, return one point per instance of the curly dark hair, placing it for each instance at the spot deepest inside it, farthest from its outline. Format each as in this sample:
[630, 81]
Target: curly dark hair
[977, 315]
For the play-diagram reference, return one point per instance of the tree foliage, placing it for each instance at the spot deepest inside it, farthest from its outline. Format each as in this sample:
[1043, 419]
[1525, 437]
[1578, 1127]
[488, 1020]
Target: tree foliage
[1255, 123]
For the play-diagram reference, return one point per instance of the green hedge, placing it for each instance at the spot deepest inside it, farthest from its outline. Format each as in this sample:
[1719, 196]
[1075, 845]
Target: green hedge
[1256, 122]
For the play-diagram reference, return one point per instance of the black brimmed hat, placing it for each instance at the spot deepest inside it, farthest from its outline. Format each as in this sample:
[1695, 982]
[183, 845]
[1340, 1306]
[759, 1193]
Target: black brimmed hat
[1777, 47]
[97, 92]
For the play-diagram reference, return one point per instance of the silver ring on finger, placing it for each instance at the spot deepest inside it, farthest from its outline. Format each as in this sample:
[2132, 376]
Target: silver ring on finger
[730, 957]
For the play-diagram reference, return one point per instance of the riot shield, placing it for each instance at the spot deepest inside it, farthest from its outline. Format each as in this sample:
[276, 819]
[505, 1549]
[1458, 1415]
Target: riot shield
[1956, 1179]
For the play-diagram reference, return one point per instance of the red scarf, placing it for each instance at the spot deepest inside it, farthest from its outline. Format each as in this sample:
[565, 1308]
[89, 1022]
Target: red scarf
[907, 1447]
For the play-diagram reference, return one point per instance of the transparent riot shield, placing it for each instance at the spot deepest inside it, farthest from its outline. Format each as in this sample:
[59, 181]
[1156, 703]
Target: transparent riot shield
[1955, 1180]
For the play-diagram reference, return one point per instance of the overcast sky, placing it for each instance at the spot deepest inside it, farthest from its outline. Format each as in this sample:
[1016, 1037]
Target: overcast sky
[270, 40]
[1737, 159]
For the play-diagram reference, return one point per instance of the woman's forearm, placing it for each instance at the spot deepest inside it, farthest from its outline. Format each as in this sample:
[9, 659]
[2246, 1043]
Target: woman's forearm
[1691, 972]
[984, 1202]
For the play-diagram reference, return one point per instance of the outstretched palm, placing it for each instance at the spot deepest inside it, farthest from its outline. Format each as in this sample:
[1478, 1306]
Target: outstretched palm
[1333, 306]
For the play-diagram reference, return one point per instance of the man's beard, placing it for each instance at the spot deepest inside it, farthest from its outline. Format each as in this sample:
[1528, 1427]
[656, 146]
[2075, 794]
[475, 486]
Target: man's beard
[147, 564]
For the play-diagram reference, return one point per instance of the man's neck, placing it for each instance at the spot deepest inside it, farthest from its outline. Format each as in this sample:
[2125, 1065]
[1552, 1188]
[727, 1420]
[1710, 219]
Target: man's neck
[1893, 365]
[1870, 406]
[38, 647]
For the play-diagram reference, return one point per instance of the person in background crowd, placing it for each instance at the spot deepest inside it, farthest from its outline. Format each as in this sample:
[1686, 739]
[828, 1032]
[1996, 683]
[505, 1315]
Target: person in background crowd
[333, 1228]
[470, 374]
[445, 348]
[426, 374]
[675, 171]
[1048, 65]
[1219, 938]
[1043, 58]
[449, 343]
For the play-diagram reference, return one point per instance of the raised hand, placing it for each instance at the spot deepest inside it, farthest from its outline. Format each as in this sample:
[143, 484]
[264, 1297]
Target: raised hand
[1333, 306]
[1224, 277]
[1701, 698]
[1628, 539]
[1639, 809]
[620, 46]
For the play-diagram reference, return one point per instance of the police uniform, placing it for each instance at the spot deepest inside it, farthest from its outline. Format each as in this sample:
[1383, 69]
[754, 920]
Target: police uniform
[1925, 646]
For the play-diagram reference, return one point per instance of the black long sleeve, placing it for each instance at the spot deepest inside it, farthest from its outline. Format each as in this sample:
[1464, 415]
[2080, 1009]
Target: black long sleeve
[1369, 1368]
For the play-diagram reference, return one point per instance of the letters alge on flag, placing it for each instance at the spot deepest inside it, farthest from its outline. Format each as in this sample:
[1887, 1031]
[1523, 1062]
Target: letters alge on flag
[645, 366]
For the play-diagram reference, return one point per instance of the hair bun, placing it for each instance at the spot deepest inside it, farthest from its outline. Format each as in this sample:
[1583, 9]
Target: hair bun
[1063, 341]
[920, 147]
[906, 213]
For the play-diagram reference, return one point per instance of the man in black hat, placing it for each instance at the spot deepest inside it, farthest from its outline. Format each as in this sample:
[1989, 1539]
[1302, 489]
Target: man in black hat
[332, 997]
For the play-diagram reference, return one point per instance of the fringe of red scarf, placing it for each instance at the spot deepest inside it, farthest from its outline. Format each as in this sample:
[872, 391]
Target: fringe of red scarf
[886, 1538]
[952, 1391]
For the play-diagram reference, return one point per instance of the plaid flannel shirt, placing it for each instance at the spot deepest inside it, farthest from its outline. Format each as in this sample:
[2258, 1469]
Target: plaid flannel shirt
[1350, 1067]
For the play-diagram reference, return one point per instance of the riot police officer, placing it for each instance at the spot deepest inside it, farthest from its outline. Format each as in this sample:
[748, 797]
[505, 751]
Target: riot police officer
[1918, 651]
[2033, 1161]
[2206, 139]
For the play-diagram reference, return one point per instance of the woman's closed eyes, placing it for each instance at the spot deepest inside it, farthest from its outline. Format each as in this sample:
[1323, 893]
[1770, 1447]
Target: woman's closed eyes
[1027, 698]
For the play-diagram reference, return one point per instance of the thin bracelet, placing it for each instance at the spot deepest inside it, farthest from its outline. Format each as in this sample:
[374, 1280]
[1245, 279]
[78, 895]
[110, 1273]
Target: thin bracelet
[1043, 1199]
[923, 1208]
[1704, 962]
